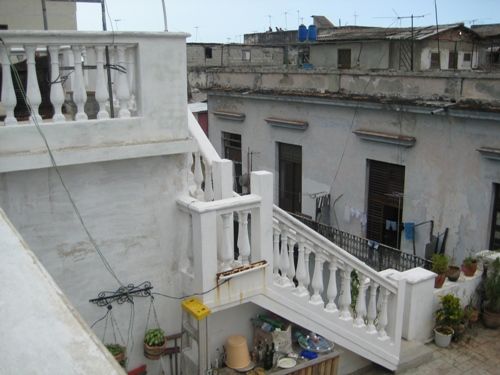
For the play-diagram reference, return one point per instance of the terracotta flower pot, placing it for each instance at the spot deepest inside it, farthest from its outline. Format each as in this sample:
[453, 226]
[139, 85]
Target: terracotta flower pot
[453, 273]
[469, 270]
[491, 319]
[439, 281]
[155, 352]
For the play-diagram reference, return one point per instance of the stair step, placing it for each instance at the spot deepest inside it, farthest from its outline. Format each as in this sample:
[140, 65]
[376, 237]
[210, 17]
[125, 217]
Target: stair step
[413, 354]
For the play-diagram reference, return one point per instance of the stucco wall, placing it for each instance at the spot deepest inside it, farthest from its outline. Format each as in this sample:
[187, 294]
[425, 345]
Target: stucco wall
[446, 179]
[28, 15]
[129, 208]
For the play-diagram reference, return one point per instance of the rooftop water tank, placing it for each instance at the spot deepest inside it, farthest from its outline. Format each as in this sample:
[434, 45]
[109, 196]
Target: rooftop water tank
[312, 34]
[302, 33]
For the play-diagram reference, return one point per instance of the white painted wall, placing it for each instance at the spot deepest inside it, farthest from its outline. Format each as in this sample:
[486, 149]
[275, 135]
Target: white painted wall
[446, 180]
[130, 209]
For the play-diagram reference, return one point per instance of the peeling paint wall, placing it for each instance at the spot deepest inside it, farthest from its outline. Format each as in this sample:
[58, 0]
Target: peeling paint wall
[446, 179]
[129, 208]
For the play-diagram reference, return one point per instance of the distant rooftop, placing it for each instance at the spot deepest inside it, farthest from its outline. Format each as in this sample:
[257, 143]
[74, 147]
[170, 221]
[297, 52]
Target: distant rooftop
[487, 31]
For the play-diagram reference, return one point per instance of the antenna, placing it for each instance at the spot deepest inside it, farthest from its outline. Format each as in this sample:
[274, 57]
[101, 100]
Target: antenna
[286, 23]
[196, 34]
[355, 17]
[270, 18]
[298, 18]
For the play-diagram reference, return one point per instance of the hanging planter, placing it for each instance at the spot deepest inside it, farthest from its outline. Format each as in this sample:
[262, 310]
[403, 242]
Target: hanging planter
[155, 343]
[117, 351]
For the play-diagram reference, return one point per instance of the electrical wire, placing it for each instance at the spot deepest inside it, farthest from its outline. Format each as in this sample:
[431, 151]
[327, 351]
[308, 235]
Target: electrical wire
[58, 172]
[191, 295]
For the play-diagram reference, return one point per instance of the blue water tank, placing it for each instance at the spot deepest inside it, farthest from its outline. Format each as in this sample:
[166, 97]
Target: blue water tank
[302, 33]
[312, 33]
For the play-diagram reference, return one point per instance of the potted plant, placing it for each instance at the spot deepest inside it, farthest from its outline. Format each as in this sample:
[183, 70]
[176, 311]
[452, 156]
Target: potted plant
[453, 272]
[491, 310]
[469, 266]
[439, 266]
[155, 343]
[117, 351]
[449, 317]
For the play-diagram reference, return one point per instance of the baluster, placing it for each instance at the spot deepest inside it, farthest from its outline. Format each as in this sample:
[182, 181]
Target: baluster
[307, 279]
[332, 286]
[317, 280]
[382, 321]
[372, 308]
[209, 189]
[301, 274]
[276, 255]
[85, 71]
[79, 92]
[291, 261]
[101, 90]
[243, 240]
[345, 294]
[56, 90]
[227, 250]
[8, 98]
[32, 88]
[132, 105]
[198, 176]
[361, 302]
[122, 89]
[284, 261]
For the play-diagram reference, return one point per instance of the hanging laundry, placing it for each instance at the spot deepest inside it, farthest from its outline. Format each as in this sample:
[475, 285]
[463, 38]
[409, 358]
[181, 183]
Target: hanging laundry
[391, 225]
[409, 230]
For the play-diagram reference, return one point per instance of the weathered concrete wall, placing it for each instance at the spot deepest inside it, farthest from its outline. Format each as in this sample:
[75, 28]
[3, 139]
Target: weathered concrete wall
[446, 179]
[27, 15]
[364, 55]
[129, 208]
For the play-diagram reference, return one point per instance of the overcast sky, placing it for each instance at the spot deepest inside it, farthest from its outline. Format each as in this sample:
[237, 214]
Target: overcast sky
[227, 20]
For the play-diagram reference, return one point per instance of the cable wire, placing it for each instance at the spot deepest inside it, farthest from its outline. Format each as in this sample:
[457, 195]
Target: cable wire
[191, 295]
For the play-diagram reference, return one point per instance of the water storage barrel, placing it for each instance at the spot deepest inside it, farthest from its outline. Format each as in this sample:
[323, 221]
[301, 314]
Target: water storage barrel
[312, 34]
[302, 33]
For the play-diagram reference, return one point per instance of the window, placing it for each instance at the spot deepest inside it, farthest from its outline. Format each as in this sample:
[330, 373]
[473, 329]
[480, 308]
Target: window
[385, 202]
[344, 58]
[208, 52]
[245, 55]
[435, 63]
[495, 221]
[452, 60]
[290, 177]
[231, 149]
[4, 27]
[467, 57]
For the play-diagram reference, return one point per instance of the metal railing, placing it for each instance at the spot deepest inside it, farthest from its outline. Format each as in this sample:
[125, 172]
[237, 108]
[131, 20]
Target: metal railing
[376, 255]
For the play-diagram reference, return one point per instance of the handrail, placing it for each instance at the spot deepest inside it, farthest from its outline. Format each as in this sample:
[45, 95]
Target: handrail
[327, 245]
[206, 149]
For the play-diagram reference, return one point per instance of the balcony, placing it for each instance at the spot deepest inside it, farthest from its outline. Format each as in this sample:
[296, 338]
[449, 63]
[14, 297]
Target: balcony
[67, 74]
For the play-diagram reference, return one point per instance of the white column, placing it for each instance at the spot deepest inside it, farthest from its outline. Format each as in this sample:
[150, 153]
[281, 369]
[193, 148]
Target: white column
[359, 322]
[8, 98]
[85, 71]
[332, 286]
[301, 274]
[227, 246]
[307, 279]
[209, 189]
[243, 239]
[345, 294]
[317, 280]
[372, 308]
[276, 254]
[198, 176]
[101, 89]
[122, 89]
[291, 261]
[132, 104]
[382, 320]
[79, 93]
[32, 89]
[284, 261]
[56, 90]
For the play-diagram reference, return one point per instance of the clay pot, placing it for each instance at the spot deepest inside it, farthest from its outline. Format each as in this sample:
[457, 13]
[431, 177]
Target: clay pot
[439, 281]
[453, 273]
[469, 270]
[155, 352]
[491, 319]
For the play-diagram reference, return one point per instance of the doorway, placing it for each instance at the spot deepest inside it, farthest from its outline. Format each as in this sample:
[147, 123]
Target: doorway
[290, 177]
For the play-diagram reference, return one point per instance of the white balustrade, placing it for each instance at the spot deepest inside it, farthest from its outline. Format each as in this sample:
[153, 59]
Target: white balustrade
[307, 279]
[372, 308]
[209, 187]
[359, 322]
[345, 294]
[122, 89]
[383, 318]
[132, 104]
[56, 89]
[284, 260]
[243, 238]
[276, 254]
[301, 273]
[331, 293]
[101, 89]
[291, 260]
[198, 176]
[32, 88]
[227, 246]
[79, 91]
[8, 97]
[317, 280]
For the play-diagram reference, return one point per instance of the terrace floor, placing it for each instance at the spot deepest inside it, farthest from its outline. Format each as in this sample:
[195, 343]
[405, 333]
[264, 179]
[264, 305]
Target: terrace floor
[477, 353]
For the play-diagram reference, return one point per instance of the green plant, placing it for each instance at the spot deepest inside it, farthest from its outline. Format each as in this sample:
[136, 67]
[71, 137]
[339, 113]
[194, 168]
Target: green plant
[115, 349]
[492, 287]
[440, 263]
[154, 337]
[451, 313]
[354, 289]
[469, 261]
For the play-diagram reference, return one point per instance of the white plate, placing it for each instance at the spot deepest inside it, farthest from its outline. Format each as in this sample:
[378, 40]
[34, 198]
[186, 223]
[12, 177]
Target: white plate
[286, 362]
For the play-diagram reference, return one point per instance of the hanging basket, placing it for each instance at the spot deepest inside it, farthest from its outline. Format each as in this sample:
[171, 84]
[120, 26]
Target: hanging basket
[155, 352]
[155, 343]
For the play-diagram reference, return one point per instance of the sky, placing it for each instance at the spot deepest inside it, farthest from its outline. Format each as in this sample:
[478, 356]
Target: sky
[227, 20]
